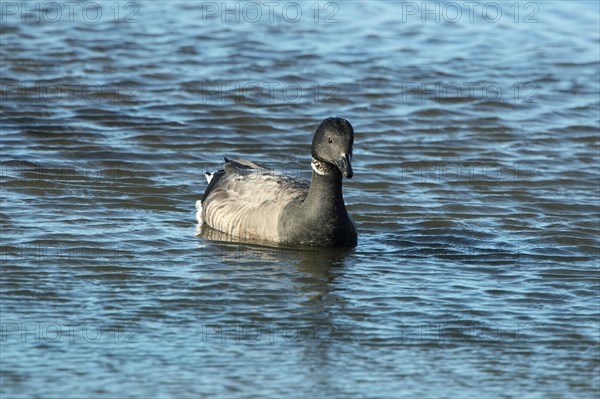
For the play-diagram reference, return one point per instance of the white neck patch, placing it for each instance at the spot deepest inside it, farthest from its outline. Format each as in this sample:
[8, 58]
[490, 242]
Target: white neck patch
[319, 167]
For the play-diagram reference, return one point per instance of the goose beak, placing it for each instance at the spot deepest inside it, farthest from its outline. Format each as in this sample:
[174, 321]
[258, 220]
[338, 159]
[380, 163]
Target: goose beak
[343, 164]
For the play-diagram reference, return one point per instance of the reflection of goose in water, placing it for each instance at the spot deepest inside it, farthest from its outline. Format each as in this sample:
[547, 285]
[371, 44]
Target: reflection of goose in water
[312, 269]
[246, 250]
[250, 202]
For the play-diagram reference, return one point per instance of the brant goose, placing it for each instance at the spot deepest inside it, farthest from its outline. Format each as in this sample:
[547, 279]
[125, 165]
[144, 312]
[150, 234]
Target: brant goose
[248, 201]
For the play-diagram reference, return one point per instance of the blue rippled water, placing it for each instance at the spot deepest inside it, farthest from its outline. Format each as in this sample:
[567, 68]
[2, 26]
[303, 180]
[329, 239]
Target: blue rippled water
[476, 196]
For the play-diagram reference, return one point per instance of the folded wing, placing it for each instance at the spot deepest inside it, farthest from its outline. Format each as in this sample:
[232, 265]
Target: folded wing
[247, 200]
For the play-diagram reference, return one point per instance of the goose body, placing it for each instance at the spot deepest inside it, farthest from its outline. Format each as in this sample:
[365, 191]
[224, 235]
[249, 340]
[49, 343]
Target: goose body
[248, 201]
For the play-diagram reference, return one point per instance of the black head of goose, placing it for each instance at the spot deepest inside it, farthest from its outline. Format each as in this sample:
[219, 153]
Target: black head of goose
[251, 202]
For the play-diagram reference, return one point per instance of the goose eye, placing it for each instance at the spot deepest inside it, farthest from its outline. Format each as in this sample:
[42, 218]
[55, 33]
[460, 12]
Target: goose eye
[330, 140]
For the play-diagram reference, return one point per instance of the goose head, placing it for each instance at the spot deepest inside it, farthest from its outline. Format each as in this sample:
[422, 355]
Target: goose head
[332, 144]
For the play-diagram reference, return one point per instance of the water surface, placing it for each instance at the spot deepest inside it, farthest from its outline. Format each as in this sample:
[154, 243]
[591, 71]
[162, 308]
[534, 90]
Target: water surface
[475, 195]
